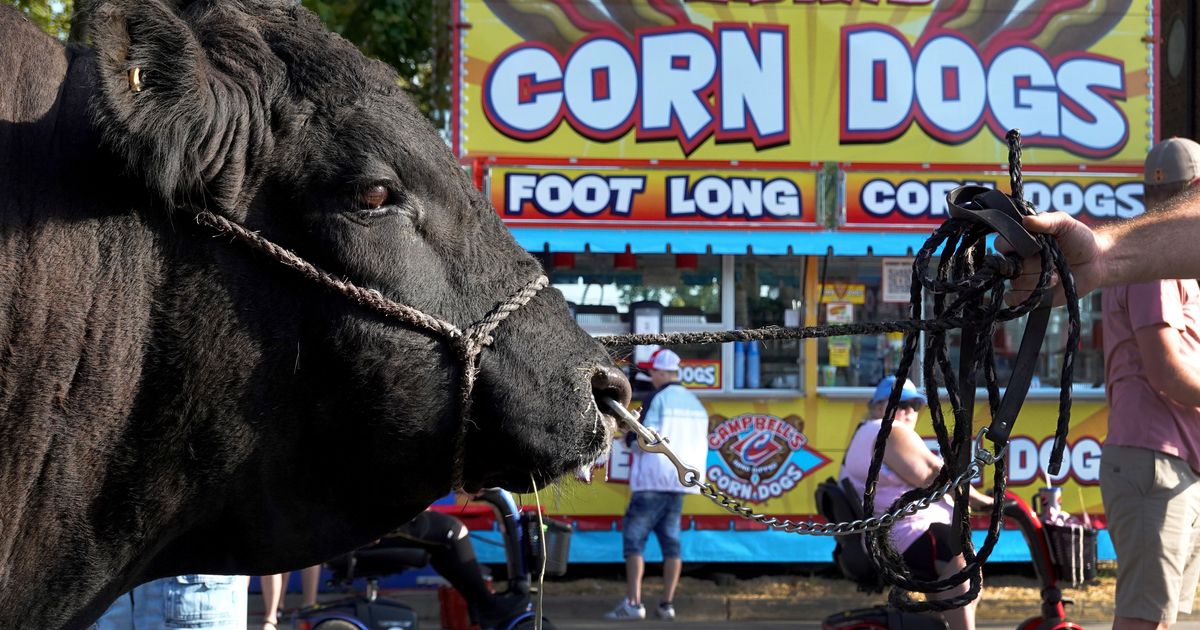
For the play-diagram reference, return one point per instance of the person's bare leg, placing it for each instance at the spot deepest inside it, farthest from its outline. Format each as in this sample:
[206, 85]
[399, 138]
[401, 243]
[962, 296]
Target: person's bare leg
[635, 566]
[1133, 623]
[273, 588]
[958, 618]
[310, 582]
[672, 567]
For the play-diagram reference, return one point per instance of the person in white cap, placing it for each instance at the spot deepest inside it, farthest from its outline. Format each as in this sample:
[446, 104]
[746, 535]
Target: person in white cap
[1151, 458]
[656, 502]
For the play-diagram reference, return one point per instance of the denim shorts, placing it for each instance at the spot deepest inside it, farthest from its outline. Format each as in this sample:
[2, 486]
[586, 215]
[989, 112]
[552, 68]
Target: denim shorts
[657, 511]
[185, 602]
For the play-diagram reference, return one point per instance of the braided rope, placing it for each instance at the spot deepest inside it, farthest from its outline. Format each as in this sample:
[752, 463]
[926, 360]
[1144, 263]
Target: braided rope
[467, 344]
[369, 298]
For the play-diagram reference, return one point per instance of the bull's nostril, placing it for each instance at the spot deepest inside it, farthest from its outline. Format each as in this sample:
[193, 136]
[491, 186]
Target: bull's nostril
[609, 382]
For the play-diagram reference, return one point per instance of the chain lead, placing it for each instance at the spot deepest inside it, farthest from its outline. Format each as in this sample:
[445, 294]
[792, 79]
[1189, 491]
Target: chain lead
[650, 441]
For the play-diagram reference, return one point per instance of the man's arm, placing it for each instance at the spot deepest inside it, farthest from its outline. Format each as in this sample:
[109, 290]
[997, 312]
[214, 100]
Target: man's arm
[1165, 368]
[1158, 245]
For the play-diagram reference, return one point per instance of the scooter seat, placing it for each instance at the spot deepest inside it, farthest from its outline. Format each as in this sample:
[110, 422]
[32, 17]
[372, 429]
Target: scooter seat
[374, 562]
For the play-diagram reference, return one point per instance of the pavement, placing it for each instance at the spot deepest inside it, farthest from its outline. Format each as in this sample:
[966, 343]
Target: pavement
[580, 624]
[581, 612]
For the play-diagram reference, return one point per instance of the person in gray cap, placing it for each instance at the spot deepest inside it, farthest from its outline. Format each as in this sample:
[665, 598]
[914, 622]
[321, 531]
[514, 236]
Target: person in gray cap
[1171, 167]
[1150, 465]
[1160, 244]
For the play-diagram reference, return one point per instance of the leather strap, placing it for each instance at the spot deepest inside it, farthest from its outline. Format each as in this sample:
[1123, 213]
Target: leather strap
[998, 211]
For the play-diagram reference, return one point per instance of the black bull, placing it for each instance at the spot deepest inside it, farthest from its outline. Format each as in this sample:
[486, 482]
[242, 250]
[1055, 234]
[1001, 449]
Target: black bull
[172, 402]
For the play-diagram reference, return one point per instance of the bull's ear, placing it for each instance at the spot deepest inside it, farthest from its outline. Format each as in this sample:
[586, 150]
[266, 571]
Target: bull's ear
[154, 100]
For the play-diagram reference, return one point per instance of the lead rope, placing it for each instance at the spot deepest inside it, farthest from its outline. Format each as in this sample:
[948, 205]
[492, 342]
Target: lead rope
[541, 576]
[467, 344]
[976, 283]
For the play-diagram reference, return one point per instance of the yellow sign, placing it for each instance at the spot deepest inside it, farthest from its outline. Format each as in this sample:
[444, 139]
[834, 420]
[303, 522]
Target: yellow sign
[905, 199]
[649, 198]
[839, 351]
[763, 452]
[797, 82]
[843, 292]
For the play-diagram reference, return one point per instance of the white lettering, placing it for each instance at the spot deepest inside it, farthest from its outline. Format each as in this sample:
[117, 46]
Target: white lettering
[678, 66]
[1028, 461]
[912, 198]
[744, 74]
[600, 85]
[1072, 105]
[686, 83]
[1094, 121]
[1067, 197]
[747, 197]
[1022, 460]
[1021, 89]
[920, 200]
[1131, 200]
[591, 194]
[523, 93]
[702, 375]
[518, 188]
[950, 85]
[878, 76]
[554, 194]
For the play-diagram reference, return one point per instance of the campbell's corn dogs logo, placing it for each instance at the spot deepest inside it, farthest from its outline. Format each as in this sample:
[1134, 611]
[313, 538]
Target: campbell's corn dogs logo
[762, 456]
[990, 65]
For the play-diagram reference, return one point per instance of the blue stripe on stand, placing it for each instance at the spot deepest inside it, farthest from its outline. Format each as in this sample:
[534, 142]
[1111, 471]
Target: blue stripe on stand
[745, 546]
[720, 241]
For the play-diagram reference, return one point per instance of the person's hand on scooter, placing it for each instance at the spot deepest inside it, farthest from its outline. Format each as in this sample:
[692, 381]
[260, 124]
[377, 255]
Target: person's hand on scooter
[980, 501]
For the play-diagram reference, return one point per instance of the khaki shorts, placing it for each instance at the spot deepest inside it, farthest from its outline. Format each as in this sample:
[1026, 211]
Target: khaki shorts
[1152, 501]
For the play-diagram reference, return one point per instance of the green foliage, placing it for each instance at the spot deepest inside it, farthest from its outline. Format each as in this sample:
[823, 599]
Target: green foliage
[54, 17]
[413, 36]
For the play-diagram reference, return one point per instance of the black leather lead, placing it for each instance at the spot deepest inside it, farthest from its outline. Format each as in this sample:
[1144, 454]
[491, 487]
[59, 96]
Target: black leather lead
[998, 211]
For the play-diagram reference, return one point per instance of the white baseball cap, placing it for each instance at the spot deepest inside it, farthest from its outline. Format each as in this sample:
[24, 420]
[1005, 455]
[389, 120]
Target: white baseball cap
[662, 359]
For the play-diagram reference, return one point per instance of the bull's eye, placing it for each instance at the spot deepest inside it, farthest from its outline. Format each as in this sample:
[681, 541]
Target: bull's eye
[373, 197]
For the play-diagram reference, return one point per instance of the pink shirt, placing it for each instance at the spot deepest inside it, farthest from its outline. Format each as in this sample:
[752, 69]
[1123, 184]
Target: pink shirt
[1139, 415]
[888, 488]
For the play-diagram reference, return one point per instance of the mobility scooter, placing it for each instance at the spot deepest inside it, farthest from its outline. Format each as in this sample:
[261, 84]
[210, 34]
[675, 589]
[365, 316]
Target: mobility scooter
[1060, 553]
[367, 610]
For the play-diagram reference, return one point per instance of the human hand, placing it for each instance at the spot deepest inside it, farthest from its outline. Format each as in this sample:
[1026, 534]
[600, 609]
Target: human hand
[1083, 249]
[980, 501]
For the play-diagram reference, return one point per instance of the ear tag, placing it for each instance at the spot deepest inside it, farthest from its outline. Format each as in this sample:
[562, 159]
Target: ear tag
[135, 79]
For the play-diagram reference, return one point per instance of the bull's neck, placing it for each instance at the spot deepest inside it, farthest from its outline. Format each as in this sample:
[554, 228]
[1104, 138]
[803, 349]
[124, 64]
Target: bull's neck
[78, 274]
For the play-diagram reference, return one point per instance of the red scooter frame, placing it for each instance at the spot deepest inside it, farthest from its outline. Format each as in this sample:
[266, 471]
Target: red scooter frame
[1054, 616]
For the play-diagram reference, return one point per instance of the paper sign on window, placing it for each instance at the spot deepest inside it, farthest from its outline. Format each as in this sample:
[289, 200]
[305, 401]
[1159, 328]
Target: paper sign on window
[897, 280]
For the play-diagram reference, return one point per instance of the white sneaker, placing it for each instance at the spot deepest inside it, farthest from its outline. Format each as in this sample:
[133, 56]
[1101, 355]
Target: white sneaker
[666, 611]
[626, 612]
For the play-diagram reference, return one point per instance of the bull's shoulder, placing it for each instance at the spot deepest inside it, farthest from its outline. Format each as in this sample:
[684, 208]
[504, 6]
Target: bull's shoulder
[32, 67]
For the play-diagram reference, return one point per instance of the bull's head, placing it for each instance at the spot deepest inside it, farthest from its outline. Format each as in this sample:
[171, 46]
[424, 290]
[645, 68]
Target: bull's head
[253, 110]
